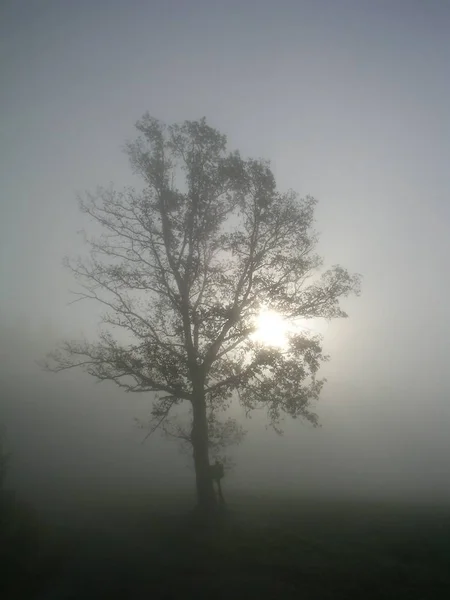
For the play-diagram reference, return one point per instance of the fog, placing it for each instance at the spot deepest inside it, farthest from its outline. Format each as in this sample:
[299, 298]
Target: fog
[69, 436]
[349, 100]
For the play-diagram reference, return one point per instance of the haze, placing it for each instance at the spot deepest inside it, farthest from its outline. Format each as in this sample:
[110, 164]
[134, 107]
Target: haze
[349, 100]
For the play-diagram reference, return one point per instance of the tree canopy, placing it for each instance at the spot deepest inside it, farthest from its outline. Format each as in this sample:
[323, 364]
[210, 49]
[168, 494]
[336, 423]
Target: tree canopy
[183, 268]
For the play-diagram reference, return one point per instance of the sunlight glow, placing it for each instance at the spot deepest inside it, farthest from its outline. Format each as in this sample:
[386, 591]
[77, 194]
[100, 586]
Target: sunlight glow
[271, 329]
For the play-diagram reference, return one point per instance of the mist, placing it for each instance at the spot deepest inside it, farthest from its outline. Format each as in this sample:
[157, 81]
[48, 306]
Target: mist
[67, 433]
[349, 101]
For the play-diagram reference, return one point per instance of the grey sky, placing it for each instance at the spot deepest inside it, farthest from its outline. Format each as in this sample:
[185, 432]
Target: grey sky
[349, 100]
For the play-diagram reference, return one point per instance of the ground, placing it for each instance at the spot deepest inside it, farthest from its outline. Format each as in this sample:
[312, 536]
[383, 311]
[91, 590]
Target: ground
[268, 546]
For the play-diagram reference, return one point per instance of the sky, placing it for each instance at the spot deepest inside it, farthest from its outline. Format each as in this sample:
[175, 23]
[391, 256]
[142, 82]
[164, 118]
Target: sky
[349, 100]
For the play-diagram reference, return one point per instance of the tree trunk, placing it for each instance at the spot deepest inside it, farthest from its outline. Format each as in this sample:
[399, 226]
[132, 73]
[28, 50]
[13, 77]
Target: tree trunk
[206, 498]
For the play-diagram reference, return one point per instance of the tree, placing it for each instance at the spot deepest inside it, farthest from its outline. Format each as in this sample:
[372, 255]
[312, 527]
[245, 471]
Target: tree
[183, 268]
[221, 434]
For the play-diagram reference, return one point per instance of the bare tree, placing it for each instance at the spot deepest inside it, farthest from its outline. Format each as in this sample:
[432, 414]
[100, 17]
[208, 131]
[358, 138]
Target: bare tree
[183, 268]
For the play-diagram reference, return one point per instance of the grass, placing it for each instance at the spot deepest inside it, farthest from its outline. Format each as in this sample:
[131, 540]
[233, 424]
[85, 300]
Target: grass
[267, 546]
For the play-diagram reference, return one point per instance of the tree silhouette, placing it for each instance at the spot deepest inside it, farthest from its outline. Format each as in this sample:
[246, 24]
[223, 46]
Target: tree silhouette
[222, 433]
[183, 268]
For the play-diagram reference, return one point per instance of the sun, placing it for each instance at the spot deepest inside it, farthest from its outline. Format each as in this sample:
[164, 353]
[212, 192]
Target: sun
[271, 329]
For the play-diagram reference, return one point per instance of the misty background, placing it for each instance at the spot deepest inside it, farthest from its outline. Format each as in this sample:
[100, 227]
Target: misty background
[349, 100]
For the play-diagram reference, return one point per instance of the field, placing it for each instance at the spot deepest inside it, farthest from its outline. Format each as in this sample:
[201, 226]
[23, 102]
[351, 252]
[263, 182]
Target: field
[268, 546]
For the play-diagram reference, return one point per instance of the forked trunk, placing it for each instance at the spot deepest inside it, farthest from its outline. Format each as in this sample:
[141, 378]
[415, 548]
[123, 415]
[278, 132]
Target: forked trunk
[206, 498]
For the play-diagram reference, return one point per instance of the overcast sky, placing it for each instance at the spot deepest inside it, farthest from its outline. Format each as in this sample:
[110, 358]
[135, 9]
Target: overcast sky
[350, 101]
